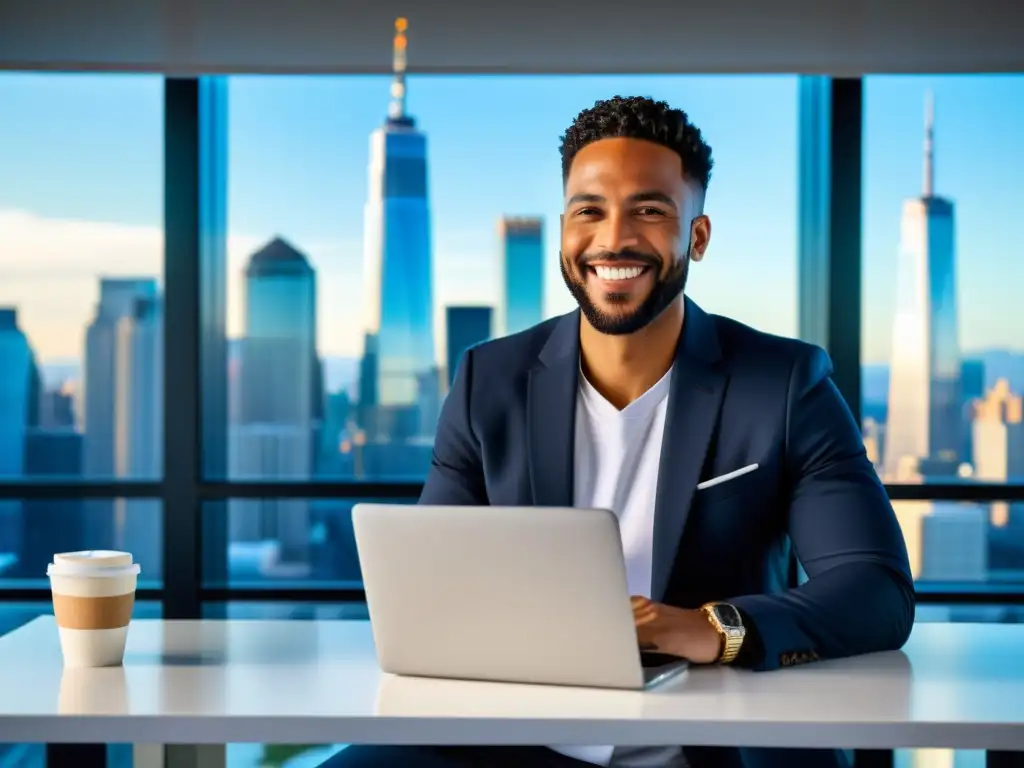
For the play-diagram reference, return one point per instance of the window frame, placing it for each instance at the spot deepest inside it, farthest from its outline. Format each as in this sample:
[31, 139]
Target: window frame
[830, 286]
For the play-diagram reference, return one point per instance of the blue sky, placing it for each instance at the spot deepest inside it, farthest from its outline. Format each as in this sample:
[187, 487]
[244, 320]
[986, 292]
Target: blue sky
[81, 171]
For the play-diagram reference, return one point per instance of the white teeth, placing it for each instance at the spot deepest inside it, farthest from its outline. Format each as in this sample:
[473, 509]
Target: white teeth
[618, 273]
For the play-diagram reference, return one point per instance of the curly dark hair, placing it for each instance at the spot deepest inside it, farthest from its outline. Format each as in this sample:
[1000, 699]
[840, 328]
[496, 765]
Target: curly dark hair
[637, 117]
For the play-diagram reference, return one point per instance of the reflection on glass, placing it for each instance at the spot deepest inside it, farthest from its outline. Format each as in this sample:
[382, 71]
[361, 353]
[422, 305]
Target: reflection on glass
[32, 530]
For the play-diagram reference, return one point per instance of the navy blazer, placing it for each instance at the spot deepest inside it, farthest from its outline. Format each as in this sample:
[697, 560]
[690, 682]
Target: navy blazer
[738, 397]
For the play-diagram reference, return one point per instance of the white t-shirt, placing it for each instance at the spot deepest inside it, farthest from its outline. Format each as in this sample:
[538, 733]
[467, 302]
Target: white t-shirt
[617, 455]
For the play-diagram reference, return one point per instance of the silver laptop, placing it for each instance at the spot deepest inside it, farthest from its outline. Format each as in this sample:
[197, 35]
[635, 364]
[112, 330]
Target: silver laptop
[513, 594]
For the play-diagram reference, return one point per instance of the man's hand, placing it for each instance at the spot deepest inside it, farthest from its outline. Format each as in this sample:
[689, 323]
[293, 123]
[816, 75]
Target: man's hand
[677, 631]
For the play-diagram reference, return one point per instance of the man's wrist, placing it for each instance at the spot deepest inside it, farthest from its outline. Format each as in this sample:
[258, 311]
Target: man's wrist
[727, 624]
[752, 652]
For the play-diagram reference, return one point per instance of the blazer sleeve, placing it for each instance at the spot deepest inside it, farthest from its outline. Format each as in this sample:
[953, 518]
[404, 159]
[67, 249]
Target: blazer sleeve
[859, 595]
[456, 475]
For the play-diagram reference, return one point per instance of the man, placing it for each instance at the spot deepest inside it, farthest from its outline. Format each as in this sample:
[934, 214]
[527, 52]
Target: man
[638, 398]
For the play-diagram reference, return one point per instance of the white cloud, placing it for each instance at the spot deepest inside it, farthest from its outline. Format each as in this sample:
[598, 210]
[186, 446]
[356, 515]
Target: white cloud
[50, 270]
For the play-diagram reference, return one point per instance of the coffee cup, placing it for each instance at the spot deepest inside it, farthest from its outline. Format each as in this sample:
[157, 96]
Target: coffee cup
[93, 597]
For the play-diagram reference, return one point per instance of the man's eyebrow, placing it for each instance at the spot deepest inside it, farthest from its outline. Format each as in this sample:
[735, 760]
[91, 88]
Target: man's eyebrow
[582, 197]
[649, 195]
[652, 195]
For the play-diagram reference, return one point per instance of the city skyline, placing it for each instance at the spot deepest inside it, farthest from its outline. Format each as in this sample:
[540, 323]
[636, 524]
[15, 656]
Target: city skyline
[71, 215]
[283, 425]
[81, 200]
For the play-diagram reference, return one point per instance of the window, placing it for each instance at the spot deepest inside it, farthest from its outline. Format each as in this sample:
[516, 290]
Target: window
[337, 369]
[943, 356]
[81, 252]
[956, 545]
[281, 542]
[943, 361]
[32, 530]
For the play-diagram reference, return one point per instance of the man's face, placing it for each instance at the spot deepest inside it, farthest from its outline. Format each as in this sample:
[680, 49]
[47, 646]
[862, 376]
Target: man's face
[630, 226]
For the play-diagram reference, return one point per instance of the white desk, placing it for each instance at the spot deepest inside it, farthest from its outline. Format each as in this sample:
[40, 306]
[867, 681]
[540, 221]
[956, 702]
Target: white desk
[214, 682]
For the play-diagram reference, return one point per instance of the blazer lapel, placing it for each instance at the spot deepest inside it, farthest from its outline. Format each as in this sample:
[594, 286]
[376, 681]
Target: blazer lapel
[695, 399]
[551, 406]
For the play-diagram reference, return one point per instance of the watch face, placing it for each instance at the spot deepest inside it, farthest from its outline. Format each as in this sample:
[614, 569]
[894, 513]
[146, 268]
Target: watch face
[728, 615]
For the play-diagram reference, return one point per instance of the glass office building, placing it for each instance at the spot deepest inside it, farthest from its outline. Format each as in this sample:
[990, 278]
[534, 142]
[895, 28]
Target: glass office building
[399, 273]
[280, 404]
[924, 432]
[465, 327]
[522, 272]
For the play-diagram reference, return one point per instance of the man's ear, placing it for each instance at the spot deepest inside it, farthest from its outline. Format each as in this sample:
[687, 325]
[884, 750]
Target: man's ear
[700, 237]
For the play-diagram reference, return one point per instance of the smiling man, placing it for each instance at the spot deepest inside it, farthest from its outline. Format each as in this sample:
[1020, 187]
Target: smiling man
[727, 454]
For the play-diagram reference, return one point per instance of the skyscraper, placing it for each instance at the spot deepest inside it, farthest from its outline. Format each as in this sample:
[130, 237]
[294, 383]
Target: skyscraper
[19, 394]
[972, 387]
[138, 426]
[117, 300]
[399, 293]
[18, 390]
[139, 389]
[118, 297]
[464, 327]
[522, 272]
[998, 427]
[273, 439]
[923, 435]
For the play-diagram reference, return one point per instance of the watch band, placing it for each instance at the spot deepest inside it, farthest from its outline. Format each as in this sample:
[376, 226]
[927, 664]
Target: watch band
[731, 638]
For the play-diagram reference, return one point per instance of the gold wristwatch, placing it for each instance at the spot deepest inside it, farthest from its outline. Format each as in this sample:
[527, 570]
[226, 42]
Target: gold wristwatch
[727, 622]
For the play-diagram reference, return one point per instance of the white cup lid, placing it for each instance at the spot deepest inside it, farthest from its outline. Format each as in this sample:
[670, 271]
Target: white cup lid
[93, 562]
[94, 558]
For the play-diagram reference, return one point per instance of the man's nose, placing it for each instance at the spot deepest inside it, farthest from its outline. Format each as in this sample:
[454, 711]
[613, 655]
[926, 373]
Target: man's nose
[616, 233]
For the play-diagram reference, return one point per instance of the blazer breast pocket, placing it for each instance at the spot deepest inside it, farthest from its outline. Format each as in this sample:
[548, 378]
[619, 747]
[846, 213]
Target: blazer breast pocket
[743, 481]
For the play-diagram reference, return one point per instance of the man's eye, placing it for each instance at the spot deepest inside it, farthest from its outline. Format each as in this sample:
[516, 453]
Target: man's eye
[648, 211]
[587, 212]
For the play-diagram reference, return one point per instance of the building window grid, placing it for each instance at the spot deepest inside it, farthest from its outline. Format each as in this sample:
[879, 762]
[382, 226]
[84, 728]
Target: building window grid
[184, 489]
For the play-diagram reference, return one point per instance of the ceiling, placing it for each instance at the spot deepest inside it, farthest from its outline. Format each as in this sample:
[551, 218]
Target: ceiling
[838, 37]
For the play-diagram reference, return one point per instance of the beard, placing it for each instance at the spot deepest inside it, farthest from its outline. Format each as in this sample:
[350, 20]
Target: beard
[667, 288]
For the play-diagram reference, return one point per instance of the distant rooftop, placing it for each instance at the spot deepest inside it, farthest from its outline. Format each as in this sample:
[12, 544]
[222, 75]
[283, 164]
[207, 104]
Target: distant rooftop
[8, 319]
[521, 225]
[278, 257]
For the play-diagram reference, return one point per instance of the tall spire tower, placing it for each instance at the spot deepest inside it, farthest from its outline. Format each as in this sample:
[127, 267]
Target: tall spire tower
[924, 432]
[399, 368]
[396, 111]
[929, 145]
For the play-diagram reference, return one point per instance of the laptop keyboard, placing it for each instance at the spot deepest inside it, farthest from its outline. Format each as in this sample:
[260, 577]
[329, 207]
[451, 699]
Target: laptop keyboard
[655, 664]
[653, 659]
